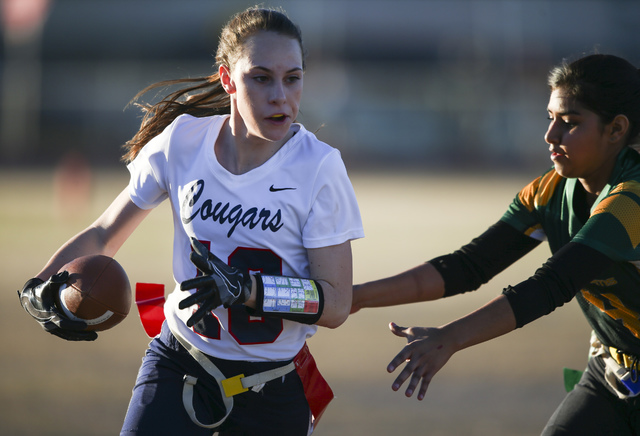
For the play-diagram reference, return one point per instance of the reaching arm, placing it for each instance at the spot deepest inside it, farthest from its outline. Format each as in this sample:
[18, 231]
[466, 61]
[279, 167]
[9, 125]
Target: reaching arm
[422, 283]
[462, 271]
[555, 283]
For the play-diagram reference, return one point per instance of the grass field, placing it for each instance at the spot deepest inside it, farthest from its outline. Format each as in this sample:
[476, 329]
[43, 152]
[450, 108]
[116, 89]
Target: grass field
[51, 387]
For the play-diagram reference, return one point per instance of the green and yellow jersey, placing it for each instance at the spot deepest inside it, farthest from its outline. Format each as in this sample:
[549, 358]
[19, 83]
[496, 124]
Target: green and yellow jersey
[553, 208]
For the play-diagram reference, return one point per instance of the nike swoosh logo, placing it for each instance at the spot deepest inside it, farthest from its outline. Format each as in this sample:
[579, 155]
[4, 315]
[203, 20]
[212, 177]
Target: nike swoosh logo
[272, 189]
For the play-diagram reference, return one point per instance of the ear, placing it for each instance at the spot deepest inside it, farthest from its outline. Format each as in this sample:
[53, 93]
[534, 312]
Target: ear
[618, 128]
[226, 80]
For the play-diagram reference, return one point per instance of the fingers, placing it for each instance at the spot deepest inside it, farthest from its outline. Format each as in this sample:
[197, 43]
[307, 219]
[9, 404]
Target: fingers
[68, 324]
[75, 336]
[202, 295]
[417, 374]
[400, 358]
[415, 379]
[200, 262]
[423, 357]
[199, 248]
[201, 312]
[397, 330]
[60, 277]
[199, 282]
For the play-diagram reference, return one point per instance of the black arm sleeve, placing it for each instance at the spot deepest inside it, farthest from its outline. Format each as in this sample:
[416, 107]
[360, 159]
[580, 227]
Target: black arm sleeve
[556, 282]
[483, 258]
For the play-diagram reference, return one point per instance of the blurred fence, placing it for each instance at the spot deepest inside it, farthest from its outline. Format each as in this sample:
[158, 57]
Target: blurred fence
[431, 82]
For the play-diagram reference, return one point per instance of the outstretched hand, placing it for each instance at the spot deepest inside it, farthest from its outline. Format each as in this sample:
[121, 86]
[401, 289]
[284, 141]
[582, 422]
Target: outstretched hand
[426, 353]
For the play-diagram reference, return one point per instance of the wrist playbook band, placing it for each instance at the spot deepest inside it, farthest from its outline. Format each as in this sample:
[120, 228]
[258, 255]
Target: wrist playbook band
[292, 298]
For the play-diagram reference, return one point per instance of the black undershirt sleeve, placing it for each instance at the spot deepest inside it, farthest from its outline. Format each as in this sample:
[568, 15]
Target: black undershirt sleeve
[483, 258]
[556, 282]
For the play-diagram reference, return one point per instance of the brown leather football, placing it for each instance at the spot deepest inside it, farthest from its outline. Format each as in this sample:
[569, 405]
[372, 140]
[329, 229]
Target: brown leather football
[97, 292]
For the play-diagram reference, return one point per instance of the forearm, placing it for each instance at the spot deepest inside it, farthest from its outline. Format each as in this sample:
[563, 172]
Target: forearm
[331, 270]
[422, 283]
[494, 319]
[337, 301]
[86, 242]
[105, 236]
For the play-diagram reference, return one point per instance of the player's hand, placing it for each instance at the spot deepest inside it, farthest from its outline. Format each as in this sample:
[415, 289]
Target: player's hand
[40, 300]
[219, 284]
[426, 353]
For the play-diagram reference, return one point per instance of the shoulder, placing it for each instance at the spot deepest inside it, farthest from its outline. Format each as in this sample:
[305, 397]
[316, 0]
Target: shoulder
[189, 125]
[623, 201]
[187, 133]
[624, 196]
[307, 147]
[540, 191]
[310, 142]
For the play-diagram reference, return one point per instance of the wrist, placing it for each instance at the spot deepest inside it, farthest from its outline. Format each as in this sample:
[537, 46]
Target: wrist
[251, 301]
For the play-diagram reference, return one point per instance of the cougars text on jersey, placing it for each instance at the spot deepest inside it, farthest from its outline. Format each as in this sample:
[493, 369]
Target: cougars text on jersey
[192, 208]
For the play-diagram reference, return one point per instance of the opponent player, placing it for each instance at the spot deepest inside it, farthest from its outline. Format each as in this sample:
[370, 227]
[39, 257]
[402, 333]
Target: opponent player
[587, 207]
[251, 191]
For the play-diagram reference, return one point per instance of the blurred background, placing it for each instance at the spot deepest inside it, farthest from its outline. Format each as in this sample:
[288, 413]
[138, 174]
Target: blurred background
[439, 110]
[420, 82]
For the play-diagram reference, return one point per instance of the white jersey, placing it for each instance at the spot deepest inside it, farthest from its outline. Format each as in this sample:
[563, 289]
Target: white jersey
[263, 220]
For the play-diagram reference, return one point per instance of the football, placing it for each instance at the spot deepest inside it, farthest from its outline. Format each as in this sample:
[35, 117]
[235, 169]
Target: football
[97, 292]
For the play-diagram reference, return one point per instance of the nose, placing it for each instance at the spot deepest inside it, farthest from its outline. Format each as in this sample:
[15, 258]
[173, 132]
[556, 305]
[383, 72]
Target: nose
[552, 137]
[277, 93]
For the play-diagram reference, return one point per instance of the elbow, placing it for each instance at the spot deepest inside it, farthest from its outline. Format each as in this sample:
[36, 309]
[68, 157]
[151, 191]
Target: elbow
[334, 319]
[337, 321]
[336, 306]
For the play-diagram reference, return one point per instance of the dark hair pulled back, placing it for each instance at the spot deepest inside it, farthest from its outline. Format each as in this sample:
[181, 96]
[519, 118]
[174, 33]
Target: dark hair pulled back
[605, 84]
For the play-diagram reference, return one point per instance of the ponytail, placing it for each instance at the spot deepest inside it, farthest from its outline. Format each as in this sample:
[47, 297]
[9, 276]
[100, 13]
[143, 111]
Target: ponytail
[205, 97]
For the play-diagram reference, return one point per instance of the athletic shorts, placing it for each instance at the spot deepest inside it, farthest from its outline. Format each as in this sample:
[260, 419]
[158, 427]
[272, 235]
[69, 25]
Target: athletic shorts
[593, 408]
[156, 408]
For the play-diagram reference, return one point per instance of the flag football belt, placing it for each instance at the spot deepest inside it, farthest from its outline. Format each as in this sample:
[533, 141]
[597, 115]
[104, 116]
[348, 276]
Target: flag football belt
[621, 369]
[228, 386]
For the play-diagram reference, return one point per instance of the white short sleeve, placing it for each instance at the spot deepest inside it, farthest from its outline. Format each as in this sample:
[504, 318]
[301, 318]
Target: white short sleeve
[335, 216]
[147, 187]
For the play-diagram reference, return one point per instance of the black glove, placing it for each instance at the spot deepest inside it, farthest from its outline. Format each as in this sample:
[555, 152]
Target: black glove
[39, 299]
[220, 284]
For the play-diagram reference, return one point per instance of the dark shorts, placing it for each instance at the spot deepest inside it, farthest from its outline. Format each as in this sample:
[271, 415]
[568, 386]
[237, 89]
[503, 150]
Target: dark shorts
[156, 407]
[593, 408]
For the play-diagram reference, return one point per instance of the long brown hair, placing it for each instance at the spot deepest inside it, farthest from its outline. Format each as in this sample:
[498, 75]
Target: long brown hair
[205, 96]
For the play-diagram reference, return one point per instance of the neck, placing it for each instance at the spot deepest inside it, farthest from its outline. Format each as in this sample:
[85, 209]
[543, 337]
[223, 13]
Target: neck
[240, 153]
[590, 192]
[595, 183]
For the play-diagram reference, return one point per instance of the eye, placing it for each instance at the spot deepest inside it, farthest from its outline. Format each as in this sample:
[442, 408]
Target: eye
[261, 78]
[569, 122]
[293, 79]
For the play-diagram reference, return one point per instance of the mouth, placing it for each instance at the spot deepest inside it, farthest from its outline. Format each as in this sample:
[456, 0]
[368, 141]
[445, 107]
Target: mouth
[278, 118]
[555, 155]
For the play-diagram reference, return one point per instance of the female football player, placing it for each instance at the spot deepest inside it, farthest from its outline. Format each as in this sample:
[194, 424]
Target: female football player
[587, 206]
[263, 218]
